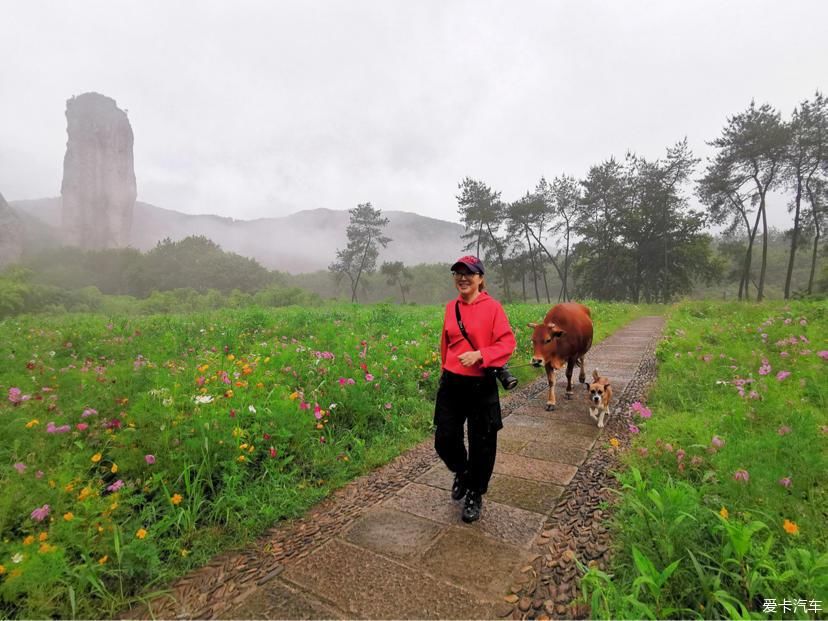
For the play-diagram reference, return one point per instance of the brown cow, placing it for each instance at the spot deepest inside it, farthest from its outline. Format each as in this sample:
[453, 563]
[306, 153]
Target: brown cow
[565, 336]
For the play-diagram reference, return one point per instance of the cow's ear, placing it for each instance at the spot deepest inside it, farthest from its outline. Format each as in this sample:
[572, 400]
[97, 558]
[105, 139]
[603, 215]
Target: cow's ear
[558, 333]
[532, 325]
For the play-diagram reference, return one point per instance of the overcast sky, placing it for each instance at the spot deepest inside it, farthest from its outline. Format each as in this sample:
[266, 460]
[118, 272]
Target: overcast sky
[251, 109]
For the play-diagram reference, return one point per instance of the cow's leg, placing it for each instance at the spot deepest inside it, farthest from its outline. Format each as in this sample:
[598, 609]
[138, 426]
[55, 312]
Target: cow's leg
[550, 396]
[570, 365]
[582, 374]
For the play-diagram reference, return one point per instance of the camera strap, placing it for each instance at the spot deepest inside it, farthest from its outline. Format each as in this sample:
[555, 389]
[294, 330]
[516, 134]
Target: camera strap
[460, 324]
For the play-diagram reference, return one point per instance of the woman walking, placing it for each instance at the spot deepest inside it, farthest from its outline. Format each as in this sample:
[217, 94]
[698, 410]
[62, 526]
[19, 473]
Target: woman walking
[476, 342]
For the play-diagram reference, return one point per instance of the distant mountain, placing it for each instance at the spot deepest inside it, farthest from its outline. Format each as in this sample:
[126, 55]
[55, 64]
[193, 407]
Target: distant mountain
[302, 242]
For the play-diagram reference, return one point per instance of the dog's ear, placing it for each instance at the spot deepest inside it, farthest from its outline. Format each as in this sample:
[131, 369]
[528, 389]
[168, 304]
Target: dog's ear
[606, 384]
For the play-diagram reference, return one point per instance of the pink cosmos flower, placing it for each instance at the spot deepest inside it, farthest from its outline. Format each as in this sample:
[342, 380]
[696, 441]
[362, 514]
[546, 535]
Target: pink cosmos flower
[88, 412]
[369, 377]
[642, 410]
[304, 405]
[643, 451]
[785, 482]
[680, 455]
[783, 430]
[696, 460]
[39, 474]
[717, 442]
[426, 374]
[41, 513]
[150, 459]
[317, 411]
[20, 467]
[783, 354]
[765, 368]
[782, 375]
[342, 381]
[81, 426]
[388, 406]
[200, 380]
[803, 322]
[634, 429]
[115, 486]
[741, 475]
[823, 354]
[16, 396]
[50, 428]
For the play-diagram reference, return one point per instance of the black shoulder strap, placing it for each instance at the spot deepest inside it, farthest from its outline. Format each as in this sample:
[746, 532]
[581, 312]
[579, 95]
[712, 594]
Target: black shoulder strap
[460, 324]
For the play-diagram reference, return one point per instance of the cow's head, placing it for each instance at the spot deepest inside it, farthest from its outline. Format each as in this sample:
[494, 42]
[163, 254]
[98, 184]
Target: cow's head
[545, 340]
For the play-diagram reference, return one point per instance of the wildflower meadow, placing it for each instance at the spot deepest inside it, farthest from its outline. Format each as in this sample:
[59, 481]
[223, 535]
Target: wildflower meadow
[723, 506]
[134, 449]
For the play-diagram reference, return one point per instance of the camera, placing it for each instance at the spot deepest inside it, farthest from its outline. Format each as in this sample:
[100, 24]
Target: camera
[507, 380]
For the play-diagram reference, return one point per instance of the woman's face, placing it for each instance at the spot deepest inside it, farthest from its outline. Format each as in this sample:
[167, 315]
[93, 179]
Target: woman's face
[466, 282]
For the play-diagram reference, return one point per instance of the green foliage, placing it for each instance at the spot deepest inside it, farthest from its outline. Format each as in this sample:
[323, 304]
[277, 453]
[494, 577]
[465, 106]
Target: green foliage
[364, 238]
[726, 480]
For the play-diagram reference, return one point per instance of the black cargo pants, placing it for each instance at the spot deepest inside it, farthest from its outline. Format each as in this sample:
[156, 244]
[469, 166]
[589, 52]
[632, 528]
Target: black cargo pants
[474, 399]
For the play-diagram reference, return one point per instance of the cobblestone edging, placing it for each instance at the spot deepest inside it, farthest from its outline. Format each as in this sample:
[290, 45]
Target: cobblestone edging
[232, 576]
[576, 527]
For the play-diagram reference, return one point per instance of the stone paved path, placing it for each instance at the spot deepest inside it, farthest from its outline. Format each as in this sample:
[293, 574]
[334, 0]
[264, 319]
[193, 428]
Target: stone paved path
[391, 545]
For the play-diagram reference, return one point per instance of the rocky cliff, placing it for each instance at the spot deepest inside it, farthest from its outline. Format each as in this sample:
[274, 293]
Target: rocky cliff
[11, 239]
[98, 191]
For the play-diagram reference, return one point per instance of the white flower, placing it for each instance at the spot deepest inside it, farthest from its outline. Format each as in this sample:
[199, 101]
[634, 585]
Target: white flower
[17, 558]
[203, 399]
[252, 409]
[332, 406]
[167, 403]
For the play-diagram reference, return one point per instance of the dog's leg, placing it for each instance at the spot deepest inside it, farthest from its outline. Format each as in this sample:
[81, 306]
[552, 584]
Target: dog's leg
[570, 365]
[550, 397]
[593, 412]
[601, 418]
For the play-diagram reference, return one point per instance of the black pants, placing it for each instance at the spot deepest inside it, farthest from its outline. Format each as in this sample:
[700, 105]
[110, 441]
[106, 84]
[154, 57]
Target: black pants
[473, 399]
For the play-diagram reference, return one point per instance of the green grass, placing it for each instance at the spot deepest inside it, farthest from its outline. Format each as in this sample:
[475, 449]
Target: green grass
[254, 452]
[726, 483]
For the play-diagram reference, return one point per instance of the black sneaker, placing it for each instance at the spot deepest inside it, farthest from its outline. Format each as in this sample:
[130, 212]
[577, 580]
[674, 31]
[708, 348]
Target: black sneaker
[458, 488]
[473, 507]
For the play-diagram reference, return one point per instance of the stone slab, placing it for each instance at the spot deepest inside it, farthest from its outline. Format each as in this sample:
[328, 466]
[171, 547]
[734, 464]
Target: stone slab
[554, 451]
[370, 586]
[534, 469]
[533, 496]
[276, 600]
[543, 433]
[509, 524]
[393, 533]
[474, 562]
[437, 476]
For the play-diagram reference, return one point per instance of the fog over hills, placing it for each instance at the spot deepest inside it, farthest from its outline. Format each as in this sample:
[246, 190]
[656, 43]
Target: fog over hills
[305, 241]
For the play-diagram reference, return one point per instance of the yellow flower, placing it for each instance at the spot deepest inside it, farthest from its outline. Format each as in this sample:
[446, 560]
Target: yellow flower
[724, 513]
[294, 396]
[267, 359]
[96, 457]
[176, 499]
[103, 559]
[45, 548]
[790, 527]
[185, 552]
[242, 458]
[28, 540]
[69, 487]
[2, 569]
[231, 357]
[68, 516]
[614, 442]
[259, 385]
[141, 533]
[228, 394]
[114, 468]
[243, 446]
[85, 493]
[43, 536]
[32, 423]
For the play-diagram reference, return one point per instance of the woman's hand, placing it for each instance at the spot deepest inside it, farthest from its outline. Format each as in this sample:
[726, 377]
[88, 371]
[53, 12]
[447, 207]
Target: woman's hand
[470, 358]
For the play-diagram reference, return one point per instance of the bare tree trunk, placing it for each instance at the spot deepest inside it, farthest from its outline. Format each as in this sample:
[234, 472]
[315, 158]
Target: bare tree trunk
[815, 210]
[760, 295]
[749, 256]
[545, 283]
[361, 265]
[502, 263]
[794, 238]
[534, 269]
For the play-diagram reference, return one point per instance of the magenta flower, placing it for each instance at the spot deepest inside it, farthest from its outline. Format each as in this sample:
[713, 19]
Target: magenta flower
[680, 455]
[39, 474]
[741, 475]
[717, 442]
[200, 380]
[785, 482]
[115, 486]
[765, 368]
[426, 374]
[41, 513]
[342, 381]
[304, 405]
[20, 467]
[317, 411]
[15, 395]
[803, 322]
[783, 430]
[823, 354]
[642, 410]
[150, 459]
[634, 429]
[388, 406]
[782, 375]
[369, 377]
[88, 412]
[50, 428]
[81, 426]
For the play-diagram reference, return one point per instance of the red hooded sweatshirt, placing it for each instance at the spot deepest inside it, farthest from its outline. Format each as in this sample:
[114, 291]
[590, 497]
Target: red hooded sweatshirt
[488, 328]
